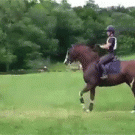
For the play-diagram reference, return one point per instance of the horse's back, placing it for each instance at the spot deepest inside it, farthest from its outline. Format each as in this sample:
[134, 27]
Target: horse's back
[128, 67]
[126, 74]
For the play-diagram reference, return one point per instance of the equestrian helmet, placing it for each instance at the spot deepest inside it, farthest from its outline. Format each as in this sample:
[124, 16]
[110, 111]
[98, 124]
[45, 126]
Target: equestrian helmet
[110, 28]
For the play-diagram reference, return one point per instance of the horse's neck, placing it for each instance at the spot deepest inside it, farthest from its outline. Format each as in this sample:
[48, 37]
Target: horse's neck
[88, 58]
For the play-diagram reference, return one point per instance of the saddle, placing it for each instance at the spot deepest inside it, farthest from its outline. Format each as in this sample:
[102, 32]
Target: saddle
[112, 67]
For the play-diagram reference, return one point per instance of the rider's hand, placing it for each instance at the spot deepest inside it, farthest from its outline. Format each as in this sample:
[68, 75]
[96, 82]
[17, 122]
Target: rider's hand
[101, 46]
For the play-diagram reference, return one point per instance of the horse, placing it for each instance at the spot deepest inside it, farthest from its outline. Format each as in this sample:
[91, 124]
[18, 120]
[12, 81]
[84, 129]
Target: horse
[89, 58]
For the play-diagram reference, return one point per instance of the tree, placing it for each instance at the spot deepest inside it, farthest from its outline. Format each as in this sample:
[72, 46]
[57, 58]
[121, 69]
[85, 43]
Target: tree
[124, 23]
[11, 12]
[68, 24]
[19, 31]
[91, 4]
[45, 22]
[86, 12]
[132, 12]
[94, 31]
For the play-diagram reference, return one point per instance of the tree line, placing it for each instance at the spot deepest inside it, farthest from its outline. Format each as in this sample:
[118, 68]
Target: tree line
[33, 34]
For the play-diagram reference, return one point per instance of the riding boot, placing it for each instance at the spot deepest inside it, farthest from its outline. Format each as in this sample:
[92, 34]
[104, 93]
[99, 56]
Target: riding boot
[99, 69]
[104, 74]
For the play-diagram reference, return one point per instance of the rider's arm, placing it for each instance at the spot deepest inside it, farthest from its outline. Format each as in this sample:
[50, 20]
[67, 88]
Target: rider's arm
[106, 46]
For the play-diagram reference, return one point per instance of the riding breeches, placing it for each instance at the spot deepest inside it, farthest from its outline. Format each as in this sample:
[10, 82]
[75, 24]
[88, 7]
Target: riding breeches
[106, 58]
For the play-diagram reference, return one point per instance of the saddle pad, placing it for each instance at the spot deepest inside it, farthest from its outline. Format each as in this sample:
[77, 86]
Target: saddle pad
[113, 67]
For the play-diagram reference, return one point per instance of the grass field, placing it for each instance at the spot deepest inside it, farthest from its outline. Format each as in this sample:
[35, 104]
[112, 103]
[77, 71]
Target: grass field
[48, 104]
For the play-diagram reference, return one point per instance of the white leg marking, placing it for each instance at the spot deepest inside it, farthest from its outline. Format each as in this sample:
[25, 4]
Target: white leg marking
[80, 94]
[92, 101]
[133, 111]
[131, 84]
[66, 58]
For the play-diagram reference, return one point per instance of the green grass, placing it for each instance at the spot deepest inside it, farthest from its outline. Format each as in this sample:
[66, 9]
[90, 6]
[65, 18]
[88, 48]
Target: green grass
[128, 57]
[79, 123]
[48, 103]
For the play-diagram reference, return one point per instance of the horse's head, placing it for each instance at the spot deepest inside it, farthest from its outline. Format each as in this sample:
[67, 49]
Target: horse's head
[71, 56]
[81, 53]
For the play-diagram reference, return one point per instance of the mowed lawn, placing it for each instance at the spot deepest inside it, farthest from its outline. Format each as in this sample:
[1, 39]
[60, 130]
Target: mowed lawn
[48, 104]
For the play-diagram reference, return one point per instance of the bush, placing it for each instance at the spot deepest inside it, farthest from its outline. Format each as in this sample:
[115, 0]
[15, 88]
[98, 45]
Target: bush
[125, 45]
[58, 67]
[38, 63]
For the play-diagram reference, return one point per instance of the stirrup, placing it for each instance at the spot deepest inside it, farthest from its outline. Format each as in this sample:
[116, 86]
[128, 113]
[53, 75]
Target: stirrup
[104, 77]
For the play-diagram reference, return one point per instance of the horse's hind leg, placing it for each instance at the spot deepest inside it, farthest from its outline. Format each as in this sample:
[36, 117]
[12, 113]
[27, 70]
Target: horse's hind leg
[92, 96]
[85, 89]
[132, 85]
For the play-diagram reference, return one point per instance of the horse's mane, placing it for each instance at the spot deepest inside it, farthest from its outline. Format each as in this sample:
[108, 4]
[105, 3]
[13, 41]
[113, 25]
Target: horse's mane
[94, 48]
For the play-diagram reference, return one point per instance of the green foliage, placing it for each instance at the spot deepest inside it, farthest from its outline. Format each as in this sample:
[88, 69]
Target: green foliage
[126, 43]
[66, 27]
[85, 13]
[132, 12]
[32, 31]
[94, 31]
[122, 23]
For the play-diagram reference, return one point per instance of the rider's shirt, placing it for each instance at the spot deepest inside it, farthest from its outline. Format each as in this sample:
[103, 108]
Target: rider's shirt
[113, 41]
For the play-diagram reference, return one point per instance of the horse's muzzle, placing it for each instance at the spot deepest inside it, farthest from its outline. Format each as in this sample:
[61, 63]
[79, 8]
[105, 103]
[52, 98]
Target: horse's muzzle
[67, 62]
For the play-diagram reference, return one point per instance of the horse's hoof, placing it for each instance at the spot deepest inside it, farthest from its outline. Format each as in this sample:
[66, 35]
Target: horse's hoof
[91, 107]
[133, 111]
[87, 111]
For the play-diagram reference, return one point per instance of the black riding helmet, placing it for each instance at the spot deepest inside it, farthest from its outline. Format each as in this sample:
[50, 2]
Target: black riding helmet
[110, 28]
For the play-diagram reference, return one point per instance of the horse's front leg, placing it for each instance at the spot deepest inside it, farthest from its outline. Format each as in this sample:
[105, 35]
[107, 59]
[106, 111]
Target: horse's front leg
[85, 89]
[92, 95]
[81, 94]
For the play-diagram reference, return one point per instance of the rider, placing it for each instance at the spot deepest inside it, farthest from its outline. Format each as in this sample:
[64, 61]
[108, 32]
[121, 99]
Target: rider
[111, 45]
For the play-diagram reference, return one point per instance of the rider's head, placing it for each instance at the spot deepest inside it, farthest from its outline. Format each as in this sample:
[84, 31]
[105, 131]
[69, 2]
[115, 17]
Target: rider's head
[110, 30]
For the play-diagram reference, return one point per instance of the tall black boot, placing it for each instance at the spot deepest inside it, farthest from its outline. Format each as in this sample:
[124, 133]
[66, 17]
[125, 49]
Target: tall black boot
[104, 74]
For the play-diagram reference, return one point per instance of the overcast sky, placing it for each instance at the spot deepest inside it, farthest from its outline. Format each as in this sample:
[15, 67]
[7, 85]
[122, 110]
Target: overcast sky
[103, 3]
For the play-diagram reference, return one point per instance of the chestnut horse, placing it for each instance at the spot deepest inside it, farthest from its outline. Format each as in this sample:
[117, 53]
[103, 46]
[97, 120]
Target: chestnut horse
[89, 58]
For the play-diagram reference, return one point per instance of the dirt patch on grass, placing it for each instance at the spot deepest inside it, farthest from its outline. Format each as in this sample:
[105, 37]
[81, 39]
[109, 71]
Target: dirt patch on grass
[32, 114]
[59, 113]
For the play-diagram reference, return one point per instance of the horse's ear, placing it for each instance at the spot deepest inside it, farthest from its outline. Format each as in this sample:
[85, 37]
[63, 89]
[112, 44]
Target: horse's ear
[73, 46]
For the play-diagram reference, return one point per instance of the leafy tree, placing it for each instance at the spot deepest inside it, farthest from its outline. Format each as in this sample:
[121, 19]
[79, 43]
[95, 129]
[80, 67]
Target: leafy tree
[45, 25]
[132, 12]
[86, 12]
[91, 4]
[94, 32]
[68, 24]
[11, 12]
[32, 30]
[124, 23]
[14, 25]
[122, 9]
